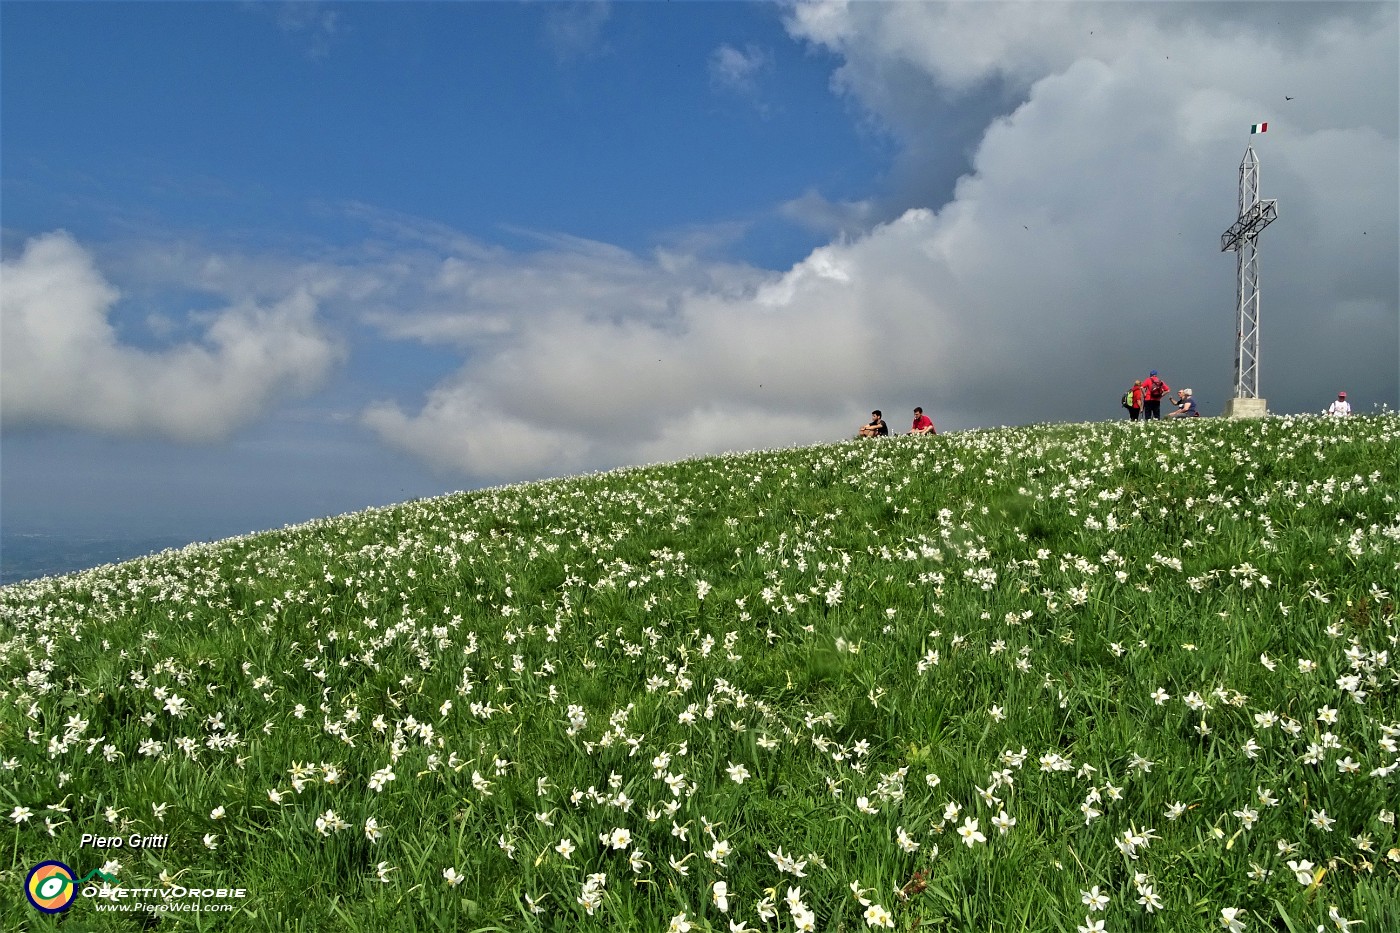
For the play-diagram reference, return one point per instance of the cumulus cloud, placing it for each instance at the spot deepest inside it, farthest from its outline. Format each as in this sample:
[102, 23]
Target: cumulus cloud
[673, 363]
[1079, 250]
[1091, 201]
[64, 363]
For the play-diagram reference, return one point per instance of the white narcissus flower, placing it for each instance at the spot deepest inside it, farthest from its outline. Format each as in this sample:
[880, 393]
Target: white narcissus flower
[1093, 898]
[1230, 919]
[451, 876]
[565, 847]
[1342, 923]
[328, 823]
[720, 893]
[877, 916]
[1302, 870]
[970, 833]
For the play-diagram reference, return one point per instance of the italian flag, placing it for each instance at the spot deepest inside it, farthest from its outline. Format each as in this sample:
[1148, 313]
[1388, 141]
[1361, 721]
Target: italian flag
[1258, 128]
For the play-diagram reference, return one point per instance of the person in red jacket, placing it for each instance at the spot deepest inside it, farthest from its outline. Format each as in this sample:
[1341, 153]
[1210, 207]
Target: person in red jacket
[923, 424]
[1135, 398]
[1153, 389]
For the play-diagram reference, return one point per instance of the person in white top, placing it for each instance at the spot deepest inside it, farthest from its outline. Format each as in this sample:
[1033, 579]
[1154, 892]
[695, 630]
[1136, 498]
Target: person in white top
[1341, 406]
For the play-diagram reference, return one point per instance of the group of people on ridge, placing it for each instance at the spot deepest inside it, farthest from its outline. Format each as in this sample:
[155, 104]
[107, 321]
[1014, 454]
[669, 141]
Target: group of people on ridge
[923, 424]
[1145, 399]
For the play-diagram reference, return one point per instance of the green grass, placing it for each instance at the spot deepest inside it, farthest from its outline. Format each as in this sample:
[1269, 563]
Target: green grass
[880, 633]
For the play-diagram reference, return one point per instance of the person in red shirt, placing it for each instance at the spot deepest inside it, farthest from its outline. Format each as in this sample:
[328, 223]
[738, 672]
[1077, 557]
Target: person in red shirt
[923, 424]
[1153, 389]
[1135, 408]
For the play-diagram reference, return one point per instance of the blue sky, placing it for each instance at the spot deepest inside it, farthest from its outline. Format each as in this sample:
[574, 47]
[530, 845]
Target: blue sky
[265, 262]
[619, 126]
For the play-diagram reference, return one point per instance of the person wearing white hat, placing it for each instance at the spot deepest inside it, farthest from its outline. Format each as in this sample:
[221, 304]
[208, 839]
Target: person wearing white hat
[1185, 405]
[1341, 407]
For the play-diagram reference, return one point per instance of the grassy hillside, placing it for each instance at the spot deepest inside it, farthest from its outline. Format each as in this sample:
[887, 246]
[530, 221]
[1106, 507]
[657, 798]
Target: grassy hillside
[1119, 677]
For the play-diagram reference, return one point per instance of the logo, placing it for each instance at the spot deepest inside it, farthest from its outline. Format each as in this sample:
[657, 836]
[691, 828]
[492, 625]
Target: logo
[51, 887]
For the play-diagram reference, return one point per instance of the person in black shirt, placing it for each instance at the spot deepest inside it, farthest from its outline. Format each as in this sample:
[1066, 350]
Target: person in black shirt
[876, 427]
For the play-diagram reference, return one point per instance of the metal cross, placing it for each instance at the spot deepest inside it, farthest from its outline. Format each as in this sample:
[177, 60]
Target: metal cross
[1242, 237]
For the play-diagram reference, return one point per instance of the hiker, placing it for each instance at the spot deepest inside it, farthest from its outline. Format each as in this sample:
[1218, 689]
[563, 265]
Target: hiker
[1341, 407]
[1185, 405]
[923, 424]
[876, 427]
[1132, 400]
[1153, 389]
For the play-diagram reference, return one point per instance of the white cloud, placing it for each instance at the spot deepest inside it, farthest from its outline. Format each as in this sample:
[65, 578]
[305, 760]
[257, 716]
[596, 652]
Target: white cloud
[737, 70]
[1091, 204]
[63, 362]
[670, 363]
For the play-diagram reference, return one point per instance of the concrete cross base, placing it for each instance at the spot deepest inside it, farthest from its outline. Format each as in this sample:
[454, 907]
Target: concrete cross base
[1246, 408]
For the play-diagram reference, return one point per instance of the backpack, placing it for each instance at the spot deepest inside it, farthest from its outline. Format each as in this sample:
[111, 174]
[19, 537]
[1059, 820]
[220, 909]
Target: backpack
[1128, 399]
[1155, 388]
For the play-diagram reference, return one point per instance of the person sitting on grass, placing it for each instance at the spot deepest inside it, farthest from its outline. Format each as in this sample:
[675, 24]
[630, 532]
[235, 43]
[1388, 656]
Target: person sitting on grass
[876, 427]
[1185, 405]
[923, 424]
